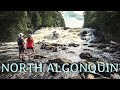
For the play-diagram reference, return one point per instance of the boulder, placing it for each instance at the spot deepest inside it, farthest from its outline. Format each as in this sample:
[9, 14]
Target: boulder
[85, 55]
[3, 51]
[2, 44]
[48, 47]
[58, 60]
[43, 46]
[90, 76]
[83, 33]
[64, 48]
[75, 77]
[114, 43]
[92, 45]
[95, 41]
[86, 49]
[85, 44]
[71, 52]
[73, 44]
[110, 50]
[101, 46]
[55, 44]
[37, 56]
[115, 76]
[55, 49]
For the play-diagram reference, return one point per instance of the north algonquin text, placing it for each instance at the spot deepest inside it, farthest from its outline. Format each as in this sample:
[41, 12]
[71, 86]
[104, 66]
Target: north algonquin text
[54, 67]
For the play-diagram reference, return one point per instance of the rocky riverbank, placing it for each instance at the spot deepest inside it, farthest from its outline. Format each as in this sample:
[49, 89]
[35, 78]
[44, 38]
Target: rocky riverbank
[86, 46]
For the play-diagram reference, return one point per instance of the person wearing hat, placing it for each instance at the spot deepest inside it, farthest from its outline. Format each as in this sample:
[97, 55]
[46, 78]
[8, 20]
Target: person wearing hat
[30, 45]
[21, 44]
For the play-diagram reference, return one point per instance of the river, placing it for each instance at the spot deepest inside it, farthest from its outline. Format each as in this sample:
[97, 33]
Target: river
[71, 45]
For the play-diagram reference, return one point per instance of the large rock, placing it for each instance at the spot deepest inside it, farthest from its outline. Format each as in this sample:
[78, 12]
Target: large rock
[83, 33]
[64, 48]
[55, 44]
[3, 51]
[2, 44]
[75, 77]
[73, 44]
[114, 43]
[115, 76]
[92, 45]
[90, 76]
[85, 55]
[95, 41]
[49, 47]
[101, 46]
[55, 49]
[110, 50]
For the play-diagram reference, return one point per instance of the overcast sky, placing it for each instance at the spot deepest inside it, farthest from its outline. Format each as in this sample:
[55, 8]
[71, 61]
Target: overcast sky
[73, 18]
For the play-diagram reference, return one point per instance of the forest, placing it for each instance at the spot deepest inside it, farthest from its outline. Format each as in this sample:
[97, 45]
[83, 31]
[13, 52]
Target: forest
[107, 22]
[14, 22]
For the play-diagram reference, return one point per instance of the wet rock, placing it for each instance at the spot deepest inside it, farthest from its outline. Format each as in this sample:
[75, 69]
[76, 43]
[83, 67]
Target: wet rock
[2, 44]
[64, 48]
[73, 44]
[94, 59]
[71, 52]
[84, 75]
[38, 57]
[39, 42]
[86, 49]
[85, 55]
[3, 51]
[117, 52]
[101, 46]
[4, 57]
[83, 33]
[52, 73]
[85, 44]
[43, 46]
[83, 38]
[105, 74]
[66, 28]
[58, 60]
[92, 45]
[114, 43]
[115, 76]
[48, 47]
[95, 41]
[55, 44]
[110, 50]
[94, 36]
[75, 77]
[90, 76]
[106, 50]
[55, 49]
[55, 34]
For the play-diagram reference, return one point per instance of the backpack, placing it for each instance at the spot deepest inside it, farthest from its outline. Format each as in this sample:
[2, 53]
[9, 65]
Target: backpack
[20, 41]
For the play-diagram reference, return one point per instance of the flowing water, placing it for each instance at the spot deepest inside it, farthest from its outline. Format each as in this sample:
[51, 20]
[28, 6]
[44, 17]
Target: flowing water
[83, 40]
[72, 36]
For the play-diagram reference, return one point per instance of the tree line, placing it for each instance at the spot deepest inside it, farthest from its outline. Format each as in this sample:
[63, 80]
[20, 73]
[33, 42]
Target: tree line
[108, 22]
[14, 22]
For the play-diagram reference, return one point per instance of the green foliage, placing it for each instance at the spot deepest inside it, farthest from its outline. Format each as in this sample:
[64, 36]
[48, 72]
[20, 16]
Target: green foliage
[14, 22]
[105, 21]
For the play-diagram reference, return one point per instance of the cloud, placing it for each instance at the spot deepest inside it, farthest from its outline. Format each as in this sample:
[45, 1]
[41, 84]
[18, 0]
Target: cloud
[73, 18]
[75, 15]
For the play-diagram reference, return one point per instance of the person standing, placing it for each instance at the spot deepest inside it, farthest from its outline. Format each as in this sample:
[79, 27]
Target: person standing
[30, 45]
[21, 44]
